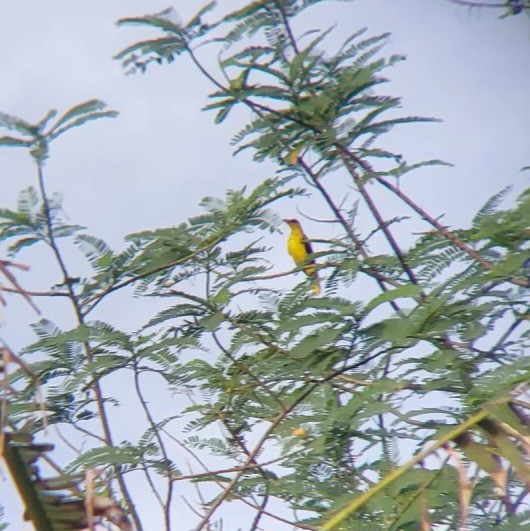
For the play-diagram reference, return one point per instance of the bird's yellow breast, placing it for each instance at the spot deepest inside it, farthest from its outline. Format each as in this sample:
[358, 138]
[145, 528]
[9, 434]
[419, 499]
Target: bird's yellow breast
[300, 248]
[296, 245]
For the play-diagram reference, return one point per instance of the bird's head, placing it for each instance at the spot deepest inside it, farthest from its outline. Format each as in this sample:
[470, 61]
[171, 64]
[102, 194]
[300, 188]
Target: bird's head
[292, 222]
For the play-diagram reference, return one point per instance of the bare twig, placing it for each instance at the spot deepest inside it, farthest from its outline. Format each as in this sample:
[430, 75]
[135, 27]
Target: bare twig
[156, 432]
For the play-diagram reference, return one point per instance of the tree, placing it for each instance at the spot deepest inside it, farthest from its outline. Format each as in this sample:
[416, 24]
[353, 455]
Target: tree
[333, 410]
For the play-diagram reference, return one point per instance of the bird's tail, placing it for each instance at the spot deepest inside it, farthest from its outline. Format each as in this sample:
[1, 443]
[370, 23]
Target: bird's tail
[315, 285]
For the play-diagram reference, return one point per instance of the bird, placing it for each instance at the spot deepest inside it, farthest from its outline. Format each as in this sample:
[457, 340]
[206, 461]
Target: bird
[300, 249]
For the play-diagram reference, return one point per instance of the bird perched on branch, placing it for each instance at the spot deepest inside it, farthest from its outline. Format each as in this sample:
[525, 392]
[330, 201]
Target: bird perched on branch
[299, 247]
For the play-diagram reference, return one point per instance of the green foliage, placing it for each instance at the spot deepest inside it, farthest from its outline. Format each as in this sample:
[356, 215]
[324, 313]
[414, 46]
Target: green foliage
[38, 136]
[176, 41]
[341, 389]
[3, 524]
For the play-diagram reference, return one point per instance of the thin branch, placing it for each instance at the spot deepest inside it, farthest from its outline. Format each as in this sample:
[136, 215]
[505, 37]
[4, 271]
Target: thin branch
[244, 368]
[379, 219]
[457, 242]
[50, 235]
[35, 293]
[285, 20]
[154, 490]
[235, 494]
[511, 329]
[421, 490]
[96, 299]
[89, 433]
[201, 499]
[234, 469]
[471, 3]
[4, 268]
[253, 454]
[156, 432]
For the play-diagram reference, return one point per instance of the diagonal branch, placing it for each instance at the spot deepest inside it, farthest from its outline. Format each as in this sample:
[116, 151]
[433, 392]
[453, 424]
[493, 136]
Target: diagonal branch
[4, 268]
[380, 221]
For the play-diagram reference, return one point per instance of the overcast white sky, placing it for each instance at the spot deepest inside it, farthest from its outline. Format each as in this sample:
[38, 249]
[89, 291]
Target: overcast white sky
[152, 165]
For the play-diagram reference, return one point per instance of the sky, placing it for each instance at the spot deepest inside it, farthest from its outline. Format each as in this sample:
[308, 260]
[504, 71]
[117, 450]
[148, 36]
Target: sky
[151, 166]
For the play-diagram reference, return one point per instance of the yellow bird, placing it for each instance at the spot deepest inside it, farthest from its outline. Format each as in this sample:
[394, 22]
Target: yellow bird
[299, 247]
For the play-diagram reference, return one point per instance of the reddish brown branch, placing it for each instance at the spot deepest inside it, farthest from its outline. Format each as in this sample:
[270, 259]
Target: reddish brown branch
[455, 240]
[4, 268]
[379, 219]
